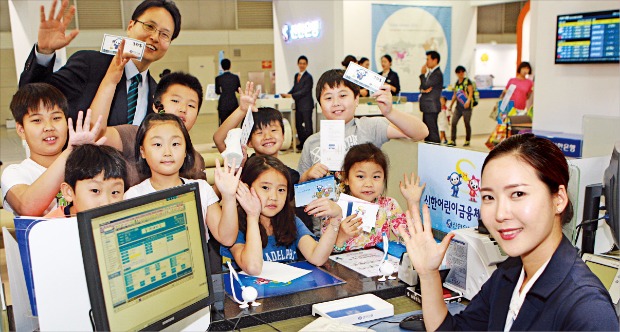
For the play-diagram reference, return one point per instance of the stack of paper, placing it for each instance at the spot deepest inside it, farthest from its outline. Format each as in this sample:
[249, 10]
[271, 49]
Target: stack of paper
[365, 262]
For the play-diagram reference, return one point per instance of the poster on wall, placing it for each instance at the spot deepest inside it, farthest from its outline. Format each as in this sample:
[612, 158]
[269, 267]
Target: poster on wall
[452, 192]
[406, 33]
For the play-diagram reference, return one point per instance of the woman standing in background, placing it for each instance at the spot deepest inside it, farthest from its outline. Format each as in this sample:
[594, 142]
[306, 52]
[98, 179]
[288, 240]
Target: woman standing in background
[348, 59]
[391, 77]
[523, 87]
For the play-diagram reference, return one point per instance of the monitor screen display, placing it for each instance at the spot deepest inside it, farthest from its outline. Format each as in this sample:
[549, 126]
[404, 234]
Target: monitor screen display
[604, 272]
[588, 37]
[145, 260]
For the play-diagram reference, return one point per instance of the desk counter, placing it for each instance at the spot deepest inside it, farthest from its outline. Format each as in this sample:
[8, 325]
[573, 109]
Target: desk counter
[226, 313]
[402, 304]
[403, 307]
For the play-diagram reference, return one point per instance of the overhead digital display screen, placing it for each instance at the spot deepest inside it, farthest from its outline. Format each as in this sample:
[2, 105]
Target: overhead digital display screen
[588, 37]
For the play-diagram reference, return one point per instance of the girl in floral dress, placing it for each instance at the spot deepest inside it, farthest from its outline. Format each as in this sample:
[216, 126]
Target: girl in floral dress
[364, 175]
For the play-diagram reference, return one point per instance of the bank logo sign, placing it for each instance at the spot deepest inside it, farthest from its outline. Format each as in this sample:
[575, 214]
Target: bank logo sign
[304, 30]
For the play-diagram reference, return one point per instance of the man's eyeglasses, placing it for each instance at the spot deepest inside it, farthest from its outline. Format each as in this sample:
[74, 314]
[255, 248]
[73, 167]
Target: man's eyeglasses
[150, 28]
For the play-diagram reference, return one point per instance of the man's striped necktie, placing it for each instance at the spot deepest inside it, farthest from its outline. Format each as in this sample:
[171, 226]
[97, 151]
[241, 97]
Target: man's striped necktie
[132, 97]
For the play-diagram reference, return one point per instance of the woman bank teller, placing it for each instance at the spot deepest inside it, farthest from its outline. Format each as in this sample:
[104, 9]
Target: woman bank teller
[544, 285]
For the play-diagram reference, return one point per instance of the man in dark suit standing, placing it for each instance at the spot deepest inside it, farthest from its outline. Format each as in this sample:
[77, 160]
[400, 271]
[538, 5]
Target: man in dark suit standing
[431, 84]
[155, 22]
[226, 85]
[304, 104]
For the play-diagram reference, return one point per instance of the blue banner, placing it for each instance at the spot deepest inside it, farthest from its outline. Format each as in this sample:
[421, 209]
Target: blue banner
[452, 192]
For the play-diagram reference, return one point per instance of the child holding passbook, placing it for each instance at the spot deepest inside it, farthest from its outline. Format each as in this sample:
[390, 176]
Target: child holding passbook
[364, 175]
[268, 228]
[339, 99]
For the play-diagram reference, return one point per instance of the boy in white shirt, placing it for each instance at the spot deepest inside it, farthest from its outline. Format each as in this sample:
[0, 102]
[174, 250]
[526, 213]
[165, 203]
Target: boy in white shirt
[32, 188]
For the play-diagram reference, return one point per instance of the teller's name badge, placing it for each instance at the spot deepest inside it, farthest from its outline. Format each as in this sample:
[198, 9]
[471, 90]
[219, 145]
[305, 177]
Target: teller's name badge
[110, 45]
[363, 77]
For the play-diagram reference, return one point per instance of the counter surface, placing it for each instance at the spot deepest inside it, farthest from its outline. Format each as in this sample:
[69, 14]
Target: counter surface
[226, 313]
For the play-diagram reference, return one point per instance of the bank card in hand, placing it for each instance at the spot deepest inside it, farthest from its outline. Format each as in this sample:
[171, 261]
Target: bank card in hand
[110, 45]
[308, 191]
[364, 77]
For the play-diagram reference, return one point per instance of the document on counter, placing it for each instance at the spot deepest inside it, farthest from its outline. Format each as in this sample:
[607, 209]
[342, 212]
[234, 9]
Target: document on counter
[280, 272]
[315, 278]
[332, 144]
[327, 324]
[365, 262]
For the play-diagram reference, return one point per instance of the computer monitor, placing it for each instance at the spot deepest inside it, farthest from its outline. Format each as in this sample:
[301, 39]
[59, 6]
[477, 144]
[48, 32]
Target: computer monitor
[145, 260]
[610, 190]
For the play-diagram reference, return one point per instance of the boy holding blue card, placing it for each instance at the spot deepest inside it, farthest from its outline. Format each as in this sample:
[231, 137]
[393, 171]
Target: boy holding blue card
[339, 99]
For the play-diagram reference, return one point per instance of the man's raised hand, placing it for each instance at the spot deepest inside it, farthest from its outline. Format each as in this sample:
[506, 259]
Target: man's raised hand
[52, 29]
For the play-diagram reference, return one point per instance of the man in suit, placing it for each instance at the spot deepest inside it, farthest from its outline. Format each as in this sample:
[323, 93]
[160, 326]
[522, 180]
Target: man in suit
[226, 85]
[155, 22]
[431, 84]
[304, 104]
